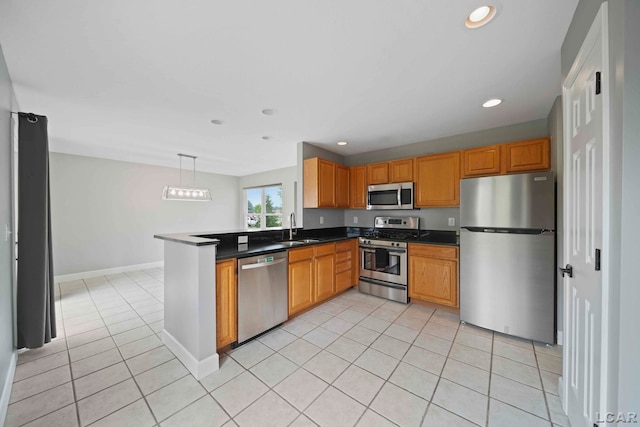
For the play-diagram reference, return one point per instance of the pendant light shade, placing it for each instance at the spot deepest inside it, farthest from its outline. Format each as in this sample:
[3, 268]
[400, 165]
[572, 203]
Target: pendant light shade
[183, 192]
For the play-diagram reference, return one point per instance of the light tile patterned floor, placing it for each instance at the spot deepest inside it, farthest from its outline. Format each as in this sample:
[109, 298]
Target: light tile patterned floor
[355, 360]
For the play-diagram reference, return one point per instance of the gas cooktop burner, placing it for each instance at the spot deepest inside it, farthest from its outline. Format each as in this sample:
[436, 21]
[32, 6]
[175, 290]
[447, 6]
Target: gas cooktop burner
[377, 234]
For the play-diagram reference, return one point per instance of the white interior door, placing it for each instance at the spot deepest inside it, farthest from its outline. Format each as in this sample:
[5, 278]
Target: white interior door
[586, 144]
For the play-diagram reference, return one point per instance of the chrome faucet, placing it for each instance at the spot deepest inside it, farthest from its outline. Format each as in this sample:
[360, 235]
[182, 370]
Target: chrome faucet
[292, 224]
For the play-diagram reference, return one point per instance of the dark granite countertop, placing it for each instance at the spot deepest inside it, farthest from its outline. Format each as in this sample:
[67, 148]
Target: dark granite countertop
[265, 242]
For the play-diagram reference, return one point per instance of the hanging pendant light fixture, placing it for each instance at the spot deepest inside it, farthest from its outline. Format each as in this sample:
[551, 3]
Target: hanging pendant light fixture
[182, 192]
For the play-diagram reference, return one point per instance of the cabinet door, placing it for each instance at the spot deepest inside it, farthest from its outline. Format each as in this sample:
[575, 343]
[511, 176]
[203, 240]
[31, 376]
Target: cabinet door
[401, 170]
[342, 186]
[378, 173]
[358, 185]
[526, 156]
[437, 180]
[319, 183]
[300, 285]
[434, 280]
[226, 303]
[481, 161]
[326, 184]
[325, 277]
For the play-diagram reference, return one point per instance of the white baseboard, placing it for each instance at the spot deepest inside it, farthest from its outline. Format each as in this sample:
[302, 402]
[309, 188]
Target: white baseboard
[106, 271]
[6, 389]
[560, 338]
[198, 368]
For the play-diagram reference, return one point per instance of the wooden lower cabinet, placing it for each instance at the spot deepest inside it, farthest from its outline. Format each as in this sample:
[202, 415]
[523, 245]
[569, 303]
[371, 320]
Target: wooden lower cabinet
[226, 303]
[433, 273]
[301, 279]
[346, 264]
[324, 266]
[318, 272]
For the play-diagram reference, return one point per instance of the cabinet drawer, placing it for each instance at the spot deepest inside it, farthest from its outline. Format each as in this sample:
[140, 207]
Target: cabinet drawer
[343, 266]
[343, 280]
[321, 250]
[300, 254]
[343, 257]
[434, 251]
[345, 246]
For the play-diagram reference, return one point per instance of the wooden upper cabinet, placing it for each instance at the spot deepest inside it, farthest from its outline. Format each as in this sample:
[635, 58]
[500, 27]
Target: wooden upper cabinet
[342, 186]
[481, 161]
[526, 156]
[437, 180]
[378, 173]
[319, 183]
[226, 294]
[358, 187]
[401, 170]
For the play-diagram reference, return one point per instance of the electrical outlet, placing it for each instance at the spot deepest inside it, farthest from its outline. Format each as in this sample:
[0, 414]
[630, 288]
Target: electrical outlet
[355, 219]
[321, 220]
[243, 239]
[452, 222]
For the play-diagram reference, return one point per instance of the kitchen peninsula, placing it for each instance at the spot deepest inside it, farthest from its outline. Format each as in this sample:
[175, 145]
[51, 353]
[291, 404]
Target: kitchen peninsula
[190, 301]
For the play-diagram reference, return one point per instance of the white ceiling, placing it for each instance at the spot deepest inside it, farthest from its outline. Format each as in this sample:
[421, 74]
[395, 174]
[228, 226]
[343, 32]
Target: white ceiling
[141, 80]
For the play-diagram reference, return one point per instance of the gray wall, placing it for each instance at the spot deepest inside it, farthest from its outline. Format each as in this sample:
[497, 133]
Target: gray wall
[285, 176]
[6, 259]
[629, 386]
[624, 65]
[105, 212]
[555, 132]
[515, 132]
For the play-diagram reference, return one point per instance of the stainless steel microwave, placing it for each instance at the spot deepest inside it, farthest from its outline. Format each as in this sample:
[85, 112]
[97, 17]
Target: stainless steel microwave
[390, 196]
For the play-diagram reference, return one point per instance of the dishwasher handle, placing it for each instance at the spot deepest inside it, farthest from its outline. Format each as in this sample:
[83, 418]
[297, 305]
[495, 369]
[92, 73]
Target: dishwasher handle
[263, 264]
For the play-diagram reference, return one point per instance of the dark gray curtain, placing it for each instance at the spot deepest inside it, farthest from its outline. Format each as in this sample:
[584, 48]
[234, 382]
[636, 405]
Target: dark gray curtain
[36, 316]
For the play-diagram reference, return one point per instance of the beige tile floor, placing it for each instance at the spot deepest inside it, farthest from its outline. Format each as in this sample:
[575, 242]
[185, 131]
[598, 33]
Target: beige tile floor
[355, 360]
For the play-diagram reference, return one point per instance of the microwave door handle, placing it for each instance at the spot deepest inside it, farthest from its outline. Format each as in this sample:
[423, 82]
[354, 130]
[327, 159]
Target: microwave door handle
[399, 195]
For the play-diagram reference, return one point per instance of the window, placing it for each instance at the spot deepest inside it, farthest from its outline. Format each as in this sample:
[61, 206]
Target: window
[264, 207]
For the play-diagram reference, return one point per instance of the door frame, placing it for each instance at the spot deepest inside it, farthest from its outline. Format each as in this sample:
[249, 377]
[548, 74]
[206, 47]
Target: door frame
[599, 30]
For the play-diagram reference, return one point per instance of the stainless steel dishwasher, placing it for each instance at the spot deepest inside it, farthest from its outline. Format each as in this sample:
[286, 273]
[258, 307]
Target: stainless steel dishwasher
[262, 294]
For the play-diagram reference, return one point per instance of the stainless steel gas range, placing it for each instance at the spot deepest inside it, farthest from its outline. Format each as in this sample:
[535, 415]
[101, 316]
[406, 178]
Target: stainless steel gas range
[383, 257]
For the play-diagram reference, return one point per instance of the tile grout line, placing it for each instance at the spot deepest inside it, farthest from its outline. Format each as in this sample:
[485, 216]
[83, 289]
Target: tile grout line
[125, 364]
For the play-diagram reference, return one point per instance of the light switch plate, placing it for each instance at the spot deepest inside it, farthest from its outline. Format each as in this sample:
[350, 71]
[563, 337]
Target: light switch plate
[355, 219]
[321, 220]
[452, 222]
[243, 239]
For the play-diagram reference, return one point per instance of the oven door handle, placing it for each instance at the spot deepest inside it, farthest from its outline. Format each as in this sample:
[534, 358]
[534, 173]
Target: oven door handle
[370, 250]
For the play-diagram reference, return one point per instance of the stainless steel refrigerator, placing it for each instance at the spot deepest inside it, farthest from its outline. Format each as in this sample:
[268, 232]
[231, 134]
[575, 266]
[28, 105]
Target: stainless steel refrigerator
[507, 254]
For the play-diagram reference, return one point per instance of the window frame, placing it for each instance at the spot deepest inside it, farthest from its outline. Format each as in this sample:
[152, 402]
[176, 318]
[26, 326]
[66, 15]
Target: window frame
[263, 214]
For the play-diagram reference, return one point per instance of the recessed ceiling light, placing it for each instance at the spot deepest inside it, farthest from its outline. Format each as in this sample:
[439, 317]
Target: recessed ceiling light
[217, 122]
[342, 143]
[492, 102]
[266, 138]
[481, 16]
[268, 111]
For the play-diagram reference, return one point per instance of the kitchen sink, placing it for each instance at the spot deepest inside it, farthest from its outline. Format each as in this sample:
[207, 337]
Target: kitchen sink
[297, 242]
[291, 243]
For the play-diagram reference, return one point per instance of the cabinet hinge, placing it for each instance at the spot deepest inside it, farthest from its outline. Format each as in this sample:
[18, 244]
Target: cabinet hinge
[598, 76]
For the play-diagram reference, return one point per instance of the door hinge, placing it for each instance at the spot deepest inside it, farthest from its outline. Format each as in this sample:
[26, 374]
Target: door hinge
[598, 89]
[597, 259]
